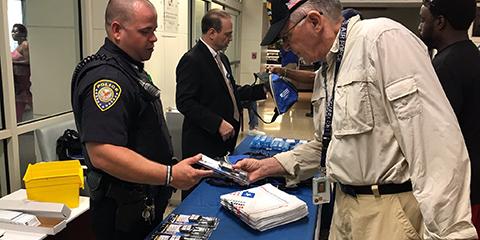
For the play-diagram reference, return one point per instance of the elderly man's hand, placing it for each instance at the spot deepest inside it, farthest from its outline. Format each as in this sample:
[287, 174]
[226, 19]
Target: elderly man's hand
[259, 169]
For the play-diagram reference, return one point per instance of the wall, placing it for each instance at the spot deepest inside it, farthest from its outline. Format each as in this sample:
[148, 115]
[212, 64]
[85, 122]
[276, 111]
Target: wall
[168, 51]
[98, 23]
[381, 3]
[408, 16]
[251, 36]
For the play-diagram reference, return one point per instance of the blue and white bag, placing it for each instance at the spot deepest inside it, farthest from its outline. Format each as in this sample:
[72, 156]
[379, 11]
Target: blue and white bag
[283, 92]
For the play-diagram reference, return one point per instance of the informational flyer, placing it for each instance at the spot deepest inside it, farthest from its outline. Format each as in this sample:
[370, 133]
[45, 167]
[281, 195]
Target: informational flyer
[171, 16]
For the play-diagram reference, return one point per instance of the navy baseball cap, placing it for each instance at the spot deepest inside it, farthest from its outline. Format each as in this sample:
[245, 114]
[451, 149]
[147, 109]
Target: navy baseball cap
[280, 13]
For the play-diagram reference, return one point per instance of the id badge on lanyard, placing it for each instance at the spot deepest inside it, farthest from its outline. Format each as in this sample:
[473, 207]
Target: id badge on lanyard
[321, 187]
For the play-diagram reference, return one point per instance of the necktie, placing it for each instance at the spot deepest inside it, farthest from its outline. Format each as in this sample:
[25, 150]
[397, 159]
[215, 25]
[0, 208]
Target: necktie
[236, 114]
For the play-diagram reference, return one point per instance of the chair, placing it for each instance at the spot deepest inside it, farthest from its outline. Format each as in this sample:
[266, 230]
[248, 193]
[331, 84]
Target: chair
[47, 139]
[174, 121]
[47, 143]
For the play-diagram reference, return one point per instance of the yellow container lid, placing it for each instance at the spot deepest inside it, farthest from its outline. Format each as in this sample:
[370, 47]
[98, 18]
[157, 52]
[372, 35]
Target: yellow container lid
[54, 173]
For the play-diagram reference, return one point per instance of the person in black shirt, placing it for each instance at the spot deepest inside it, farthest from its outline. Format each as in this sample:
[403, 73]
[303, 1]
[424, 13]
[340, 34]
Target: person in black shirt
[119, 115]
[443, 26]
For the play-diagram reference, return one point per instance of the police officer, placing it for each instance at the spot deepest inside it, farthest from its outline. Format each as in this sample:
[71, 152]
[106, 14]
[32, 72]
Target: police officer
[119, 115]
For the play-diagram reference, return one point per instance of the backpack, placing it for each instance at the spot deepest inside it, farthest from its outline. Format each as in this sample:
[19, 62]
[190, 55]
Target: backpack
[69, 146]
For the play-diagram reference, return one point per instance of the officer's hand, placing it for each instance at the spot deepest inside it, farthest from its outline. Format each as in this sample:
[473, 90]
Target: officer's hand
[185, 176]
[226, 130]
[259, 169]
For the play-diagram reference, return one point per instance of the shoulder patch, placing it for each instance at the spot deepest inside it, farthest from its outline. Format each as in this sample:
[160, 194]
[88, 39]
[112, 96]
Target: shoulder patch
[106, 93]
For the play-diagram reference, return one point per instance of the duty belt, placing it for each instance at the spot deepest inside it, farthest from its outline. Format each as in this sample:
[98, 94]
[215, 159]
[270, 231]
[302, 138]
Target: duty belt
[377, 190]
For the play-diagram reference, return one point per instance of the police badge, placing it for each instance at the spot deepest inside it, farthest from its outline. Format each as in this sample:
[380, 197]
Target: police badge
[106, 93]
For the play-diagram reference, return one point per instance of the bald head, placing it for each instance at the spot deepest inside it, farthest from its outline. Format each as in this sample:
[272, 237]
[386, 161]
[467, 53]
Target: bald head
[123, 11]
[131, 25]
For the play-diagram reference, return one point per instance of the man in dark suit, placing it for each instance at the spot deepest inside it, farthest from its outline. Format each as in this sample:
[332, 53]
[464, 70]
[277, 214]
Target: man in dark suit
[207, 94]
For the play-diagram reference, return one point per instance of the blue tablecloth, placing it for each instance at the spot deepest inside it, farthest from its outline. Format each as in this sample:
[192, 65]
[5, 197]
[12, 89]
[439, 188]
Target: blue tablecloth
[205, 200]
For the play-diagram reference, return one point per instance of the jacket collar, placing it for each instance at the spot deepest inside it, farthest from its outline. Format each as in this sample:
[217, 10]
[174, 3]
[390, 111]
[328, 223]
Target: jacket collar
[111, 47]
[336, 44]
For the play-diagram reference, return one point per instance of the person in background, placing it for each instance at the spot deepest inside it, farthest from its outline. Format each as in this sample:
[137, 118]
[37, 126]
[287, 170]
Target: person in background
[119, 116]
[289, 59]
[252, 118]
[387, 136]
[443, 26]
[21, 71]
[294, 75]
[207, 94]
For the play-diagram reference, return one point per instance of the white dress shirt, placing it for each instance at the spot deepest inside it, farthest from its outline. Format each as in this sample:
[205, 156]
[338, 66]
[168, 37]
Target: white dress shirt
[214, 55]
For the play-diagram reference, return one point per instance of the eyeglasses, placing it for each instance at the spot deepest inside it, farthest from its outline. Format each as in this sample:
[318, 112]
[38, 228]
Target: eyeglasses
[285, 37]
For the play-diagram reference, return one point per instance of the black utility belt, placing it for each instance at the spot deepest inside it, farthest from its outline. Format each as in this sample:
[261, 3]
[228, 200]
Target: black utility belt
[377, 190]
[126, 185]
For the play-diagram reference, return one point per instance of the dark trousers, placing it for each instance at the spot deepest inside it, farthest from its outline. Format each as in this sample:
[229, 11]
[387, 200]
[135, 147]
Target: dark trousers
[105, 220]
[476, 217]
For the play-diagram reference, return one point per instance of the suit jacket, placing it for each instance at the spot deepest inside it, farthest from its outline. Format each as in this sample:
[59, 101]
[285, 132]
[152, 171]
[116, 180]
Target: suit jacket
[202, 97]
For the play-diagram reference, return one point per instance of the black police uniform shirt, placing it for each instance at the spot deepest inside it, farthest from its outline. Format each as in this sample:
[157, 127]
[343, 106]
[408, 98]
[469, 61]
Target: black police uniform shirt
[458, 69]
[110, 109]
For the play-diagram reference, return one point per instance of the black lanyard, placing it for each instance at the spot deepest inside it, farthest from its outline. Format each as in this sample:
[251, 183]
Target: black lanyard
[327, 130]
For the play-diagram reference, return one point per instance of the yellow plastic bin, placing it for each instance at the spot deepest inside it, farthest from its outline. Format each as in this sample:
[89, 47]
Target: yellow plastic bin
[57, 181]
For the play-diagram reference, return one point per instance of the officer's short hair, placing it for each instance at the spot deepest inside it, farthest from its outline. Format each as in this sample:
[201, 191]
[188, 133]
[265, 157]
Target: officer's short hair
[120, 10]
[213, 20]
[459, 13]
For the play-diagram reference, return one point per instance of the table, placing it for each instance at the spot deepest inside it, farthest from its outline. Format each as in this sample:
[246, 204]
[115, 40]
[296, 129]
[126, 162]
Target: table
[205, 200]
[21, 194]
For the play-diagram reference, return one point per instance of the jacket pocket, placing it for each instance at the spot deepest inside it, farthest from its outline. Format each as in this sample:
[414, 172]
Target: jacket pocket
[403, 96]
[318, 103]
[405, 219]
[352, 107]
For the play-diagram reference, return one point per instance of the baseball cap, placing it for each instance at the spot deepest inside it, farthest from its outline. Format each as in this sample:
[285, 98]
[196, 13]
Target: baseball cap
[279, 13]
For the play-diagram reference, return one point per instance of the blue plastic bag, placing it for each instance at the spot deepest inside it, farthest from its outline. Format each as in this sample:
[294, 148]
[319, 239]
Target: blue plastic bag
[283, 92]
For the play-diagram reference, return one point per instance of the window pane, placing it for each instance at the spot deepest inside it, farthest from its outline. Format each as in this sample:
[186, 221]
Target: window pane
[3, 171]
[231, 51]
[200, 7]
[2, 114]
[45, 50]
[215, 5]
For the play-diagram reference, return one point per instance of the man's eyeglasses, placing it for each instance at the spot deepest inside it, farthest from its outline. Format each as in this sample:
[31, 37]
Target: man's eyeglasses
[285, 37]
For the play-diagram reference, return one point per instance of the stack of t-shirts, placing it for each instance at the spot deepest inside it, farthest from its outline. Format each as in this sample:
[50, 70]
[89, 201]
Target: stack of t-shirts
[264, 207]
